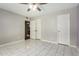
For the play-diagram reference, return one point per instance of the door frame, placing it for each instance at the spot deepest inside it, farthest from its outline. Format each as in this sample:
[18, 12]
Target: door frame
[28, 25]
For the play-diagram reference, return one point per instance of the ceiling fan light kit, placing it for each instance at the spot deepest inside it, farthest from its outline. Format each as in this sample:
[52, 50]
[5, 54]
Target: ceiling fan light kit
[34, 6]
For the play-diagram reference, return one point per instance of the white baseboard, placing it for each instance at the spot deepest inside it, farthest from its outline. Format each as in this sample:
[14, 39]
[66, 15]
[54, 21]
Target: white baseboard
[50, 41]
[14, 42]
[73, 46]
[57, 43]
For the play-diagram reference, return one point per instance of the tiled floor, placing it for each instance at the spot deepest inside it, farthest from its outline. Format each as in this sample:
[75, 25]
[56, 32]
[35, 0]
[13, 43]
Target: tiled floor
[37, 48]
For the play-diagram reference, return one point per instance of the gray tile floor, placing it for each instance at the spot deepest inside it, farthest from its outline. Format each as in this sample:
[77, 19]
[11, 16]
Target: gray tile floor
[37, 48]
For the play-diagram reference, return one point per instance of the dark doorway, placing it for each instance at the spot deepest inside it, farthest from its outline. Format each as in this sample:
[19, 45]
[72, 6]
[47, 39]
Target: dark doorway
[27, 30]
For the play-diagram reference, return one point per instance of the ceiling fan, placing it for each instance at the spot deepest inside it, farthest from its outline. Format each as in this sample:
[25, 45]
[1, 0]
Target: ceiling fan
[34, 6]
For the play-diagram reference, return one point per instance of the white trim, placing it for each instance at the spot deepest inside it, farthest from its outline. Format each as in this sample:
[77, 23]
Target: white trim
[57, 43]
[14, 42]
[49, 41]
[73, 46]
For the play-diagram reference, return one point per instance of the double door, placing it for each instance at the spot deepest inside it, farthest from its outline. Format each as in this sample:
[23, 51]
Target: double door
[35, 29]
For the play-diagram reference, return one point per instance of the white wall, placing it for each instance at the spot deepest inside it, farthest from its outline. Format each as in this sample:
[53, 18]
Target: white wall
[49, 25]
[11, 27]
[78, 26]
[49, 28]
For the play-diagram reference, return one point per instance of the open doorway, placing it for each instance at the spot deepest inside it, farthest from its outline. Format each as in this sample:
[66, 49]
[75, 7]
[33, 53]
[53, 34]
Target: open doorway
[27, 30]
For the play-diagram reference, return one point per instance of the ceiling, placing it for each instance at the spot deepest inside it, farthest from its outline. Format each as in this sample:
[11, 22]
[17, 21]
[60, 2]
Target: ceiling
[46, 9]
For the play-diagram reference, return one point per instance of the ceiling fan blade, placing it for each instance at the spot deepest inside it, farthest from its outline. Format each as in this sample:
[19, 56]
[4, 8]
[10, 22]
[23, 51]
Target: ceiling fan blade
[24, 3]
[34, 3]
[38, 9]
[42, 3]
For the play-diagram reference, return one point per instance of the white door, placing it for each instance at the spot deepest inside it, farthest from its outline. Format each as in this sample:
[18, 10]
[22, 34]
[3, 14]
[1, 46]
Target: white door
[63, 25]
[38, 27]
[35, 29]
[32, 29]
